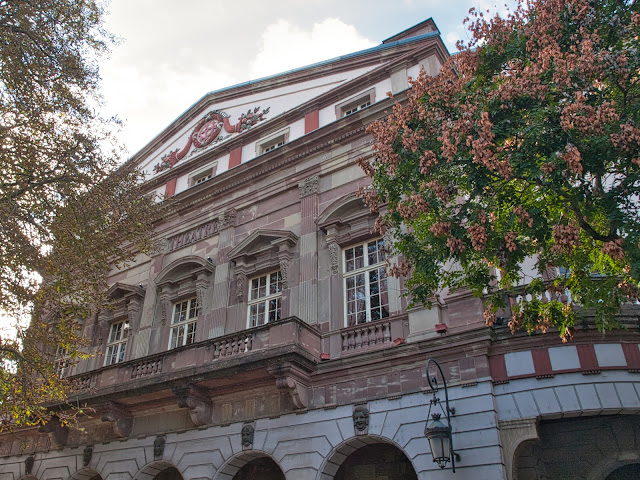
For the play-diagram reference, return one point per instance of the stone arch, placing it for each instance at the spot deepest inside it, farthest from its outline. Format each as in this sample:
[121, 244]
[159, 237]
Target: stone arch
[28, 477]
[515, 435]
[607, 441]
[151, 470]
[608, 467]
[86, 473]
[236, 462]
[341, 452]
[183, 266]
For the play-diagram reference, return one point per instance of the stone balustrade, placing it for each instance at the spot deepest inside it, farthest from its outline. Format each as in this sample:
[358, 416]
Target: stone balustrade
[146, 366]
[205, 355]
[230, 345]
[372, 335]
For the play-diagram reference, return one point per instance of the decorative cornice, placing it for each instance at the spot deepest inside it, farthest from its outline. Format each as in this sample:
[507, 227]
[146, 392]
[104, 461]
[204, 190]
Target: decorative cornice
[267, 167]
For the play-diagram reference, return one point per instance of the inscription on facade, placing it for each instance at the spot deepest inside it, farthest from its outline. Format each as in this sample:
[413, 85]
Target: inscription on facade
[191, 236]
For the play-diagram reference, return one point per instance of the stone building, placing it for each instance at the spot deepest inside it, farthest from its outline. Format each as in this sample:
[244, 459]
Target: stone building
[264, 339]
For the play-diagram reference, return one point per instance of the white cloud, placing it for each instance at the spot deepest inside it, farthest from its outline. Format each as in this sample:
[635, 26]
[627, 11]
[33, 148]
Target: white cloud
[284, 46]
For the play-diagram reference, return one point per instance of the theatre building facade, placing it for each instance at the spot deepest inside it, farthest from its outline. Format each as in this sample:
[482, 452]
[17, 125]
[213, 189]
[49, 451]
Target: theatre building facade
[264, 339]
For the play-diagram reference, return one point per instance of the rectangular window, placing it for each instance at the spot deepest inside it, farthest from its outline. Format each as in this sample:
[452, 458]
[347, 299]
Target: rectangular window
[203, 176]
[62, 362]
[272, 144]
[265, 297]
[365, 283]
[117, 343]
[355, 104]
[354, 107]
[183, 329]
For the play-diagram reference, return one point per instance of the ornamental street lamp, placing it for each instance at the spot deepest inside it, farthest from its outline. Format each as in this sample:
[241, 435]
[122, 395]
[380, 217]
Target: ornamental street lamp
[439, 434]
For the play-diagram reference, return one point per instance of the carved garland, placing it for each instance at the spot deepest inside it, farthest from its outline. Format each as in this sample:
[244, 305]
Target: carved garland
[207, 132]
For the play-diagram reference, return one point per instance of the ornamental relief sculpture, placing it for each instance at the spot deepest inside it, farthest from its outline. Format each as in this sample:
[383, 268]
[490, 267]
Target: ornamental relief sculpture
[309, 186]
[241, 279]
[284, 273]
[334, 255]
[207, 133]
[227, 219]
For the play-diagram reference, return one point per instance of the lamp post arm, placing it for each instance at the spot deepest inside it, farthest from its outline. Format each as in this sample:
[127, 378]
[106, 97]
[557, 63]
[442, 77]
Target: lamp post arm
[448, 410]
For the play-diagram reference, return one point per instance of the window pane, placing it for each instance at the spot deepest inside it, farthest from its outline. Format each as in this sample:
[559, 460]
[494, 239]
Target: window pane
[254, 289]
[260, 315]
[253, 315]
[274, 309]
[191, 333]
[193, 310]
[348, 259]
[262, 287]
[359, 257]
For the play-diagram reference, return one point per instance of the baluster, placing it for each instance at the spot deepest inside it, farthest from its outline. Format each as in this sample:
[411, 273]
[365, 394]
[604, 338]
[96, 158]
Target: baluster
[249, 343]
[387, 332]
[379, 335]
[365, 336]
[358, 335]
[352, 340]
[345, 342]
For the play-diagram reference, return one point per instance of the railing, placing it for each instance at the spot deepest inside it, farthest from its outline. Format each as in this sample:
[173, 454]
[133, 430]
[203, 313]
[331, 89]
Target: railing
[145, 367]
[288, 331]
[232, 345]
[84, 382]
[366, 335]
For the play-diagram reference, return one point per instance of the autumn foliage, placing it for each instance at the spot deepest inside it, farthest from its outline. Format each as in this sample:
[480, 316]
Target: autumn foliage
[524, 150]
[69, 211]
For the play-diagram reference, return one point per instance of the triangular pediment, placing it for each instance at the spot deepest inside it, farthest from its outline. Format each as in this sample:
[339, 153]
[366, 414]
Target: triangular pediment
[262, 240]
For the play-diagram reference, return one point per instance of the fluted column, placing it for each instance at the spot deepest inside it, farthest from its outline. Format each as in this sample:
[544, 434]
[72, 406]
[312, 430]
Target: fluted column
[308, 290]
[226, 226]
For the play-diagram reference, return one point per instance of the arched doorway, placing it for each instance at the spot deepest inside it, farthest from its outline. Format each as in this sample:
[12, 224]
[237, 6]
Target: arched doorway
[170, 473]
[86, 473]
[626, 472]
[262, 468]
[369, 458]
[159, 470]
[590, 448]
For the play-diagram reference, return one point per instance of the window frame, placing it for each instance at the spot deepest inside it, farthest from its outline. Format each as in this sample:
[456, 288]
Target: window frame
[120, 344]
[185, 330]
[62, 362]
[202, 176]
[365, 270]
[272, 142]
[358, 102]
[266, 299]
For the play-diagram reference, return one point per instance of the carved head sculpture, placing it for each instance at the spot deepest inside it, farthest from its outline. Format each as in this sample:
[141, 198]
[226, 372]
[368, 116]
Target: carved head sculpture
[361, 418]
[158, 446]
[28, 464]
[87, 453]
[247, 435]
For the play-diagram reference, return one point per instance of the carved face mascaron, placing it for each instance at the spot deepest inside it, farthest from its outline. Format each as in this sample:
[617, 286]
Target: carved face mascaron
[361, 418]
[158, 447]
[247, 435]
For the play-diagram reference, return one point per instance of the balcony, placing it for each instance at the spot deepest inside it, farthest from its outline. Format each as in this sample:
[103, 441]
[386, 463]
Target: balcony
[251, 349]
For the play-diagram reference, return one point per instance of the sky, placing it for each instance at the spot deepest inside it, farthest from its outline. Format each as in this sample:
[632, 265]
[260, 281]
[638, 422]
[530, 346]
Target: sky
[171, 54]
